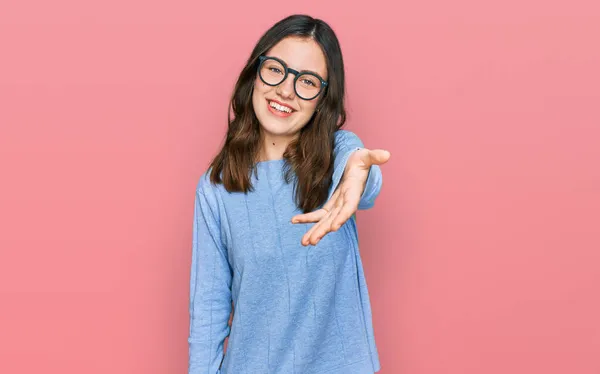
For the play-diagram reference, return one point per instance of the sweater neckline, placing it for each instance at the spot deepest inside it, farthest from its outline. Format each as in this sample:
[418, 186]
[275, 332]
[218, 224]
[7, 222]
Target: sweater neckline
[268, 162]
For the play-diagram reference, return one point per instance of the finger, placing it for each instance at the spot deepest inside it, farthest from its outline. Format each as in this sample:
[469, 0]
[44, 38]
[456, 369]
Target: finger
[322, 228]
[346, 211]
[306, 239]
[350, 199]
[379, 156]
[318, 214]
[313, 216]
[374, 156]
[330, 204]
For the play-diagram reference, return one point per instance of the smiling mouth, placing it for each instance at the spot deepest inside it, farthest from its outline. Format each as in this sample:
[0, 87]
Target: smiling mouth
[283, 109]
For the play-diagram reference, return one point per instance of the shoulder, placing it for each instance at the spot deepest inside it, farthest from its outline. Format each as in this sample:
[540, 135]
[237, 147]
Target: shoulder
[205, 187]
[347, 139]
[208, 197]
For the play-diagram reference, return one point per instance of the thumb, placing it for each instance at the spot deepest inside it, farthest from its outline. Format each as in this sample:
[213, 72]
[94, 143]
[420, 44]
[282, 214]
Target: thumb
[378, 156]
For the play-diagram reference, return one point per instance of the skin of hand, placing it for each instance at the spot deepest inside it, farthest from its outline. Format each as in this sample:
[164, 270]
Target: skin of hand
[344, 201]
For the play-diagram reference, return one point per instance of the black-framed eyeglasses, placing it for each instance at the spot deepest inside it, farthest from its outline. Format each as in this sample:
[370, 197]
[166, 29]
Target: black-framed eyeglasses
[307, 85]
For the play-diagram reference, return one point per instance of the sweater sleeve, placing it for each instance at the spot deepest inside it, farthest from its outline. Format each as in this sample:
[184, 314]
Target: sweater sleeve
[346, 143]
[210, 290]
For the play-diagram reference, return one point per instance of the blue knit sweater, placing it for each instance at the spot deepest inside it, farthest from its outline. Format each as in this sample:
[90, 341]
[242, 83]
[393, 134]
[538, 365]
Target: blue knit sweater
[296, 309]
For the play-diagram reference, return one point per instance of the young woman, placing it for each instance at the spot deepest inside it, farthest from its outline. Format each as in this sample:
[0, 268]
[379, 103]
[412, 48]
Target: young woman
[275, 237]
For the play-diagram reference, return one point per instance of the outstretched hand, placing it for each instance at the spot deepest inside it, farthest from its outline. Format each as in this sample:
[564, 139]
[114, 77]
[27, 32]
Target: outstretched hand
[344, 201]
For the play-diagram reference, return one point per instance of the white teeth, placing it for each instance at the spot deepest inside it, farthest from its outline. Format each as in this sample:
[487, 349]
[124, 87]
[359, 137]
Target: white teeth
[280, 108]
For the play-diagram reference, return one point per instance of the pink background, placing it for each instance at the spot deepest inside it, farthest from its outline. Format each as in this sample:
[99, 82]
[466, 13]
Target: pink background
[482, 253]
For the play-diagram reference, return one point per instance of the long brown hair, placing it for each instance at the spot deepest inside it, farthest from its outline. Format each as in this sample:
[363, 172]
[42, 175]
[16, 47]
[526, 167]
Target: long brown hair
[309, 158]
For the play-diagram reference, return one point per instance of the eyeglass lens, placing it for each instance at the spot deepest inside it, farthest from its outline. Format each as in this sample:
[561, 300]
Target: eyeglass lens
[273, 72]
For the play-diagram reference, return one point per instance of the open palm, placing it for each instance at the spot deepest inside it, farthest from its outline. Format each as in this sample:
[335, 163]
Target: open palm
[345, 199]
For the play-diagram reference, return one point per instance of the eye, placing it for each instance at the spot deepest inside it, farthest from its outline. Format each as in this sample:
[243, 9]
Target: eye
[275, 70]
[308, 82]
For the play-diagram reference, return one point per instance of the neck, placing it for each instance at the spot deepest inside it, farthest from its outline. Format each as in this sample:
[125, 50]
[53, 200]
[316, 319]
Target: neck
[273, 146]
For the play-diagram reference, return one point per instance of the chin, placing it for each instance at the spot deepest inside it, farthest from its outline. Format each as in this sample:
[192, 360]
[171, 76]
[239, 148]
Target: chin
[275, 128]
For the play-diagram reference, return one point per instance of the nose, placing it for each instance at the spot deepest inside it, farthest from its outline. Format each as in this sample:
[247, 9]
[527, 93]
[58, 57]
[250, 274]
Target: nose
[286, 88]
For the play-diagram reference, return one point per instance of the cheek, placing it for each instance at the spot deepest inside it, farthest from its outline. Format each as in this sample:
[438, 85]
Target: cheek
[308, 107]
[258, 93]
[260, 87]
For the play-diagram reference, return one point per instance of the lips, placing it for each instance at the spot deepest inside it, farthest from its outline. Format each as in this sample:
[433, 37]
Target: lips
[277, 112]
